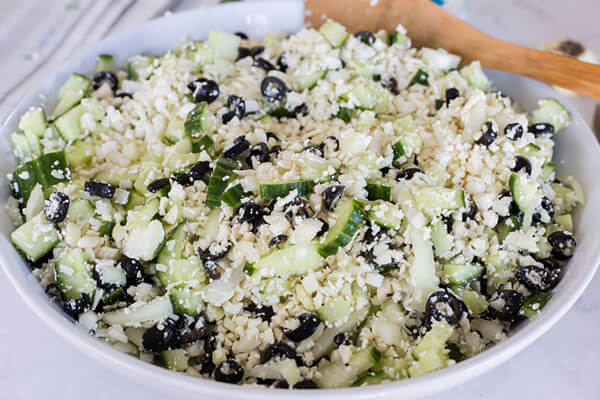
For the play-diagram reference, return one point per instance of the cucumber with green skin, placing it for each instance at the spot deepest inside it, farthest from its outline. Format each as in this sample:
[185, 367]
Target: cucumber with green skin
[552, 112]
[376, 191]
[175, 360]
[272, 191]
[337, 374]
[349, 215]
[47, 170]
[71, 93]
[104, 62]
[385, 214]
[429, 353]
[334, 33]
[221, 176]
[460, 274]
[68, 125]
[199, 121]
[525, 193]
[233, 196]
[74, 275]
[534, 304]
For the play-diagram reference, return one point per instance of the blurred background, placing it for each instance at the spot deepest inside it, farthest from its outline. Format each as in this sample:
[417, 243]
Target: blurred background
[37, 36]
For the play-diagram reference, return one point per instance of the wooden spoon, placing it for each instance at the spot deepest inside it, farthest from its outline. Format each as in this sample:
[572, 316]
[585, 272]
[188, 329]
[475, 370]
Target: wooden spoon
[429, 25]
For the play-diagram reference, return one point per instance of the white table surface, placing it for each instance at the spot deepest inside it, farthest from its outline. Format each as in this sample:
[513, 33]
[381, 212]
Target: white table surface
[35, 36]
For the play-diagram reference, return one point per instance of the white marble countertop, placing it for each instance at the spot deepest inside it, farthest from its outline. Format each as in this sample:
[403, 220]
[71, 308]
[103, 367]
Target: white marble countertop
[37, 364]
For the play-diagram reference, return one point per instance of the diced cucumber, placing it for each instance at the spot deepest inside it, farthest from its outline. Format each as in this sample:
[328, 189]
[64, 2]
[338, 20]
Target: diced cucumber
[198, 121]
[79, 153]
[156, 310]
[224, 45]
[439, 59]
[136, 67]
[475, 76]
[475, 301]
[47, 170]
[506, 226]
[286, 370]
[421, 77]
[429, 353]
[368, 98]
[362, 69]
[233, 196]
[205, 143]
[564, 198]
[337, 310]
[186, 299]
[179, 270]
[551, 111]
[309, 81]
[575, 186]
[80, 209]
[442, 240]
[68, 124]
[34, 122]
[376, 191]
[175, 360]
[348, 217]
[107, 228]
[272, 191]
[565, 221]
[296, 259]
[406, 147]
[345, 114]
[324, 344]
[547, 170]
[111, 274]
[460, 274]
[317, 171]
[115, 176]
[334, 33]
[35, 237]
[526, 194]
[71, 93]
[74, 275]
[35, 204]
[337, 374]
[221, 176]
[365, 359]
[21, 148]
[175, 129]
[385, 214]
[530, 150]
[143, 177]
[372, 379]
[422, 270]
[439, 198]
[498, 270]
[534, 304]
[104, 63]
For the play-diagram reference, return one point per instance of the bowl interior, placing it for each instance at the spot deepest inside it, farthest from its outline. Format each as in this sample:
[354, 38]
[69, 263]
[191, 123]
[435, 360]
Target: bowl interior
[577, 154]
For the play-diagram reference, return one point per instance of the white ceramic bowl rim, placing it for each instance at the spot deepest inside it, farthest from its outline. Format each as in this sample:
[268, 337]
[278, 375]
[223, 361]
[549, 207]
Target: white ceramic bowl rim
[258, 18]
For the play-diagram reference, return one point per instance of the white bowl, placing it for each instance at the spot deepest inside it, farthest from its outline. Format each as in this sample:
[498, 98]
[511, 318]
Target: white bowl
[257, 18]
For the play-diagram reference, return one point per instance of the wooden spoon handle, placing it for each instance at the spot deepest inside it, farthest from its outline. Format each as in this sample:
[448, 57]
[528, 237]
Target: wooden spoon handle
[429, 25]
